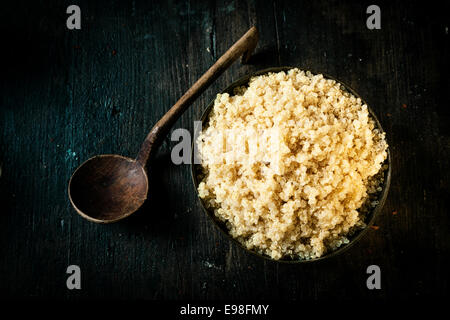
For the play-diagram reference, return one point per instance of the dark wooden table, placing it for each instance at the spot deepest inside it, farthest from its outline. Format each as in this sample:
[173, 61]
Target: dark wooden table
[67, 95]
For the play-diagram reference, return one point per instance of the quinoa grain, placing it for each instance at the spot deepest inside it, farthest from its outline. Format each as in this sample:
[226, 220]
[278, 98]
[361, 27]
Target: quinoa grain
[290, 164]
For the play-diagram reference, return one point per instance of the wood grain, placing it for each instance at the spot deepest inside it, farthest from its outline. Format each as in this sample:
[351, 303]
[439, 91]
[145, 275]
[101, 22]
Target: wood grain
[68, 95]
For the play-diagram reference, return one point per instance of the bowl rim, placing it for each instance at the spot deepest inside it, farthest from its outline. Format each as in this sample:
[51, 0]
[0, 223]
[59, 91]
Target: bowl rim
[370, 217]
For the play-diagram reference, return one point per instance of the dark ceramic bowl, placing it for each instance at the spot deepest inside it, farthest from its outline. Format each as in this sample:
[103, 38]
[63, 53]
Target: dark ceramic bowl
[353, 238]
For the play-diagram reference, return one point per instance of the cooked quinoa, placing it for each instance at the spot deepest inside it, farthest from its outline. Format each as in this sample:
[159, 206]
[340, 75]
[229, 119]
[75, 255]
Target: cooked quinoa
[288, 162]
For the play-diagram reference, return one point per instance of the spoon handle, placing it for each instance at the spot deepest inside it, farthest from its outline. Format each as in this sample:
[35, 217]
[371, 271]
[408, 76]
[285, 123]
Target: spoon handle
[244, 46]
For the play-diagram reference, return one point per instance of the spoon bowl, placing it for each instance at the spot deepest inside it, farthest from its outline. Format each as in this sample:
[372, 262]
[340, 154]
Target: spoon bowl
[107, 188]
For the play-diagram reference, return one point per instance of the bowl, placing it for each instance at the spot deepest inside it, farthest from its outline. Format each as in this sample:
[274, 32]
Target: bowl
[353, 238]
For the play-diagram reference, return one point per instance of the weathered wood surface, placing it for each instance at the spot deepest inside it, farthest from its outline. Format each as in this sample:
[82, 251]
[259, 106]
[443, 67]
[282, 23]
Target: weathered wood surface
[68, 95]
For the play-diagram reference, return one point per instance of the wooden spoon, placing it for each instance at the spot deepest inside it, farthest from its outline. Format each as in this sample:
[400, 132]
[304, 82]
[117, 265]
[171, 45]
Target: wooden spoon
[107, 188]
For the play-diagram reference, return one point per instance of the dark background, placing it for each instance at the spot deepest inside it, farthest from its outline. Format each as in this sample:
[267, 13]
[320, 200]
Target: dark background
[68, 95]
